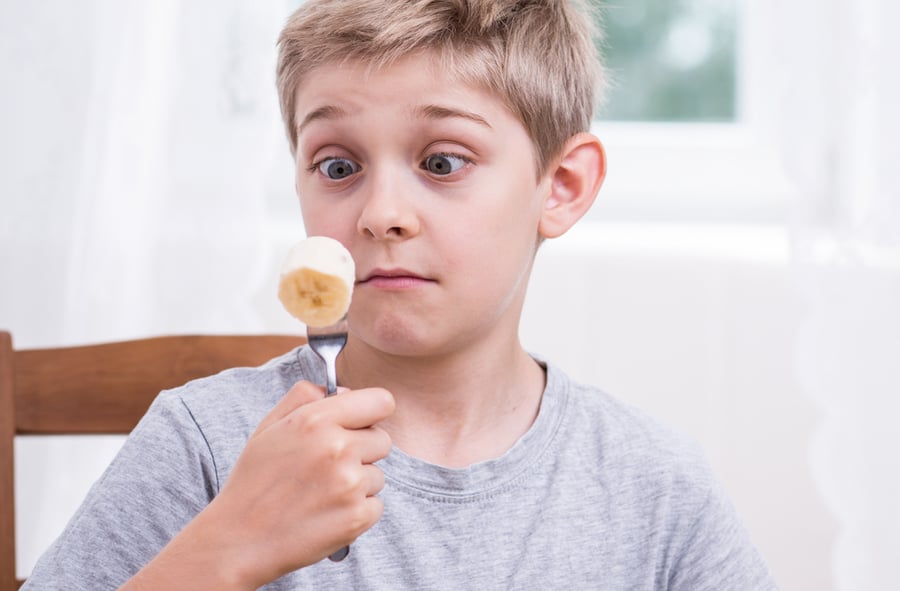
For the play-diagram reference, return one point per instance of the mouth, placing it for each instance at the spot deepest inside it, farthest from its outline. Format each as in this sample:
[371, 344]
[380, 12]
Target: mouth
[395, 278]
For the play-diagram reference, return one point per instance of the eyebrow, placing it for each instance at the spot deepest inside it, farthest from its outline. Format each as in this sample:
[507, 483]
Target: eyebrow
[426, 111]
[439, 112]
[326, 112]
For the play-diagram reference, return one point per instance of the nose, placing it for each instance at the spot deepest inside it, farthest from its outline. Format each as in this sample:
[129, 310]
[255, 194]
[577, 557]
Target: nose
[388, 212]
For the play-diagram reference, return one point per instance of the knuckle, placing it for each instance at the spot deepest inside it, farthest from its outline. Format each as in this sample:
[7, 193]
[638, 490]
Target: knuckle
[336, 449]
[348, 481]
[308, 419]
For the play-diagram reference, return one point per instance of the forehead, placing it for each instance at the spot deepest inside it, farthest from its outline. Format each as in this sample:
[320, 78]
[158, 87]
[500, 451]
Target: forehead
[419, 84]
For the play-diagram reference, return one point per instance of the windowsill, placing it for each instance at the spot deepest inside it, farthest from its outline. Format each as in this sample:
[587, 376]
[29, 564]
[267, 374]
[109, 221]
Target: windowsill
[724, 172]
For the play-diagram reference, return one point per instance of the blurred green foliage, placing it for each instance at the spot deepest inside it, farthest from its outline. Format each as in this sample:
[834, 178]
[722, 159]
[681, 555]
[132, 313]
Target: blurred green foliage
[669, 60]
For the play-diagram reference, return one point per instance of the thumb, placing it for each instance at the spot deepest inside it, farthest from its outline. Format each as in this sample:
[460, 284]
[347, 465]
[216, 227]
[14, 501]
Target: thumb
[301, 393]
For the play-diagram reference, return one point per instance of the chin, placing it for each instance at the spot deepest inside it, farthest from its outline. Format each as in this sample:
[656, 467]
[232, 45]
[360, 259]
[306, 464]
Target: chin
[398, 337]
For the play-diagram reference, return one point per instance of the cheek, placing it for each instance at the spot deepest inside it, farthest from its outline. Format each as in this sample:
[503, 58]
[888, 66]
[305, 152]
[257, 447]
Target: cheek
[326, 218]
[492, 234]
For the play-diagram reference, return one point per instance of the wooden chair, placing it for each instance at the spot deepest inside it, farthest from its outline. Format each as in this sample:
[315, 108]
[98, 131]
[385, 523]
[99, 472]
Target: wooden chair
[102, 388]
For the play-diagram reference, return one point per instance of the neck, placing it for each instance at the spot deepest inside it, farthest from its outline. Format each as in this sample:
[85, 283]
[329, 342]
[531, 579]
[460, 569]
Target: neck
[454, 409]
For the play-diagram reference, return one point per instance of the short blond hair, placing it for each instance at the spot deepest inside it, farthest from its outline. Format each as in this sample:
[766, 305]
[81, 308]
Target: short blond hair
[538, 57]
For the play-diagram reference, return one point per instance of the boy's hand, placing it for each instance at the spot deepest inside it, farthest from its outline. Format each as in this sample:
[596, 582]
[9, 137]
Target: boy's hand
[303, 487]
[305, 484]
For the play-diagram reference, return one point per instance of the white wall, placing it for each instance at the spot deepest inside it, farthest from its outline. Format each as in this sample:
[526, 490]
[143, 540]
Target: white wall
[698, 325]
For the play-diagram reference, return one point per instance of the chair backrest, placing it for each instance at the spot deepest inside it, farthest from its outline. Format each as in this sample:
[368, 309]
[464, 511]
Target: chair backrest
[103, 388]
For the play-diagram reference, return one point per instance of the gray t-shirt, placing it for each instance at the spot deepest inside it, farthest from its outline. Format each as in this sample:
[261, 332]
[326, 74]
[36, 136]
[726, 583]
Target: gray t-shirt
[594, 496]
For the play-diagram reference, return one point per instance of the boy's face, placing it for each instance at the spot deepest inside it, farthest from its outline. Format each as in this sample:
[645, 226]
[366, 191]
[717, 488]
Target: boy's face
[431, 184]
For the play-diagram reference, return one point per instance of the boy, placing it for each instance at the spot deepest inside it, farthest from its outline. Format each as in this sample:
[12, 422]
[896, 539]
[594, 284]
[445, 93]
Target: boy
[440, 141]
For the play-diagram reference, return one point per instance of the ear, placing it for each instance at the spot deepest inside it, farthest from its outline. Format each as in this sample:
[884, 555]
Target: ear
[575, 179]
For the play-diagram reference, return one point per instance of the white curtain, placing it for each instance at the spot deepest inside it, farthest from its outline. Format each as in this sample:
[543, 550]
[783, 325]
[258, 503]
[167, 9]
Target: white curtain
[142, 156]
[144, 149]
[838, 125]
[170, 196]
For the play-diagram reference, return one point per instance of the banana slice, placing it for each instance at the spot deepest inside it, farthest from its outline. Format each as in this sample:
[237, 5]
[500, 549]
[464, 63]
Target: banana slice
[317, 281]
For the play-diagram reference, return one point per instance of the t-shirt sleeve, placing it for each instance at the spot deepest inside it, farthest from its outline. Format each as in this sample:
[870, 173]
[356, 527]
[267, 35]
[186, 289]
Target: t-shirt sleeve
[716, 552]
[161, 478]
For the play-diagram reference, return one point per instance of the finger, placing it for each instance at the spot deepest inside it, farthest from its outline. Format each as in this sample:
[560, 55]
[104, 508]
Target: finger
[373, 444]
[374, 509]
[369, 512]
[374, 478]
[300, 394]
[358, 409]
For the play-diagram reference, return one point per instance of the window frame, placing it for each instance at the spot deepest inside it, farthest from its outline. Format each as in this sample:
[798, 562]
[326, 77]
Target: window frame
[702, 172]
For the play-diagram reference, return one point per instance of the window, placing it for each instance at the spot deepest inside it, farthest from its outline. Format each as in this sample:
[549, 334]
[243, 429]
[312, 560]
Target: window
[671, 60]
[681, 122]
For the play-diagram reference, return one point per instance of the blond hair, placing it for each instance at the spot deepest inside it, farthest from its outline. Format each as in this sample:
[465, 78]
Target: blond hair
[537, 56]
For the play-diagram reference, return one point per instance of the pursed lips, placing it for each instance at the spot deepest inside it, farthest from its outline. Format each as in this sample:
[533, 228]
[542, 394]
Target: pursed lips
[393, 279]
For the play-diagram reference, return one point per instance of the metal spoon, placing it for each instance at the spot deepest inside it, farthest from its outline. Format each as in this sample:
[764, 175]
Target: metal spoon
[327, 342]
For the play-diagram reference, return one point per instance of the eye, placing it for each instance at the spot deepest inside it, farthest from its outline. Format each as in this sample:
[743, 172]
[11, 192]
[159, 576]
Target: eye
[337, 168]
[443, 164]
